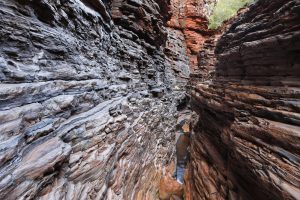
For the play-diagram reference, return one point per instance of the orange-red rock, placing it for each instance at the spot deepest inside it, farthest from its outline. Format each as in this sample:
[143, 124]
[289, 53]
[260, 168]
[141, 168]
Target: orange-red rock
[191, 17]
[169, 187]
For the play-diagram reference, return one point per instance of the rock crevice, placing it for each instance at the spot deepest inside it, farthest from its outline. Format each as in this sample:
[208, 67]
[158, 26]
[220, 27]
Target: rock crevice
[90, 92]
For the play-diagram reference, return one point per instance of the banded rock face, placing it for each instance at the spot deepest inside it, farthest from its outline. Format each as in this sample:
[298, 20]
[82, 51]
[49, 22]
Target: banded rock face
[90, 89]
[190, 19]
[88, 99]
[246, 144]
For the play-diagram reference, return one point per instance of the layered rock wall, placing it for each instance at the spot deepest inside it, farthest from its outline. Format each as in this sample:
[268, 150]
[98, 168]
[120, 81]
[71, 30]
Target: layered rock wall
[88, 99]
[190, 19]
[90, 91]
[246, 143]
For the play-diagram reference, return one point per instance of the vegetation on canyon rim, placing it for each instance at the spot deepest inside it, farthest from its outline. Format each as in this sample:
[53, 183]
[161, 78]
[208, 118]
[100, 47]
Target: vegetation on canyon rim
[224, 10]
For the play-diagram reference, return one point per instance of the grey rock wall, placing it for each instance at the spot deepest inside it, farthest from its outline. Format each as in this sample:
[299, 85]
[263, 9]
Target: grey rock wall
[88, 98]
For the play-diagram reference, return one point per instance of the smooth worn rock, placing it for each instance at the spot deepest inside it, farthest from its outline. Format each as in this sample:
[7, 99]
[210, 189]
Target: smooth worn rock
[169, 188]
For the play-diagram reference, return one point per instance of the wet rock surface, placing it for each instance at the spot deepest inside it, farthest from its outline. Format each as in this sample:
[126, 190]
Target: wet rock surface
[182, 155]
[246, 144]
[88, 99]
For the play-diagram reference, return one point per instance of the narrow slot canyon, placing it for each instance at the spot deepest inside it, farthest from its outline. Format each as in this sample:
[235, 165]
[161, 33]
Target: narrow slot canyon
[141, 100]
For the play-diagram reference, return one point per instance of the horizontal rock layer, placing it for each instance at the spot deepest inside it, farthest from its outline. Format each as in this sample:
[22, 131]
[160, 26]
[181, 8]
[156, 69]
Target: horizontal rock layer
[190, 18]
[246, 143]
[88, 98]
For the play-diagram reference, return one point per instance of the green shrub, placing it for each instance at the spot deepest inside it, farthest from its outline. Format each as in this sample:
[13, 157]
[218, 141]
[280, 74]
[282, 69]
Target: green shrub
[224, 10]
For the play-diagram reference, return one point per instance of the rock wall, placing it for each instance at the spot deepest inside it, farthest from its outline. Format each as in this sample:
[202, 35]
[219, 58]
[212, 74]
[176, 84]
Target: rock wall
[189, 20]
[246, 143]
[88, 98]
[90, 92]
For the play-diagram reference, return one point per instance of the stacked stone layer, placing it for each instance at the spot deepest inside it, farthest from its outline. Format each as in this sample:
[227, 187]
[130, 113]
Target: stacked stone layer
[246, 143]
[90, 90]
[190, 18]
[88, 99]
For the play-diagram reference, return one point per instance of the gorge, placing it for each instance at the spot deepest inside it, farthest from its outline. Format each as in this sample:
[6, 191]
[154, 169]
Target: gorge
[91, 92]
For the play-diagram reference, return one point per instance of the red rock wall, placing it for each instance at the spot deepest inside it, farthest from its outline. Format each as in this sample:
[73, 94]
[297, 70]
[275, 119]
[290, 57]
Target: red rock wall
[246, 143]
[190, 17]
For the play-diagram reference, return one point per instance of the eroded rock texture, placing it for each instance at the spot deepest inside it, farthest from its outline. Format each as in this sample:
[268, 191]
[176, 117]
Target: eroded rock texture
[90, 91]
[246, 144]
[88, 98]
[190, 20]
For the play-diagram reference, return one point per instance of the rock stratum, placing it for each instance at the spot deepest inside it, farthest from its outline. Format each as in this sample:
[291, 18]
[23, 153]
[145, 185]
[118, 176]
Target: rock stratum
[189, 20]
[246, 143]
[90, 92]
[88, 99]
